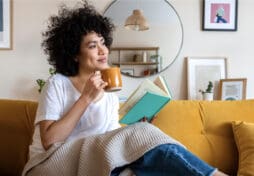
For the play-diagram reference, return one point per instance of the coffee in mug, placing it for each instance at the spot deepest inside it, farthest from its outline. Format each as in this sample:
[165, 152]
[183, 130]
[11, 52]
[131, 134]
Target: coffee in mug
[112, 76]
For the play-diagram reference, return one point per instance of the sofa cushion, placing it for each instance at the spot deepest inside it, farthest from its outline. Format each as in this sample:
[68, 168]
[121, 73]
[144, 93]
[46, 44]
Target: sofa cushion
[204, 127]
[217, 117]
[16, 129]
[244, 138]
[181, 119]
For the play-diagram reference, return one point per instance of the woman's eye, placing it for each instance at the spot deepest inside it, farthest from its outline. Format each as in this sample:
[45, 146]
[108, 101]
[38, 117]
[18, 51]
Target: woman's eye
[92, 46]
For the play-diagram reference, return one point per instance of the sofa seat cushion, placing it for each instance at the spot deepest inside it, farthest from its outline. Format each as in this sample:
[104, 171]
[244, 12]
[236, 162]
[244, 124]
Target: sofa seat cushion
[244, 138]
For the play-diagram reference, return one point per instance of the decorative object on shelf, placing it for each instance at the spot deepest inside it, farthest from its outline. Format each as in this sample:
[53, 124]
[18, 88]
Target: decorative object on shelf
[232, 89]
[207, 94]
[201, 69]
[136, 21]
[153, 58]
[220, 15]
[128, 71]
[137, 58]
[144, 56]
[41, 82]
[147, 72]
[169, 38]
[5, 24]
[157, 59]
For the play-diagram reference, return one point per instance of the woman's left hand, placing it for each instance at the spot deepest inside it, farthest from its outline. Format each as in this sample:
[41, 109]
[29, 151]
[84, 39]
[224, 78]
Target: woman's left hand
[145, 119]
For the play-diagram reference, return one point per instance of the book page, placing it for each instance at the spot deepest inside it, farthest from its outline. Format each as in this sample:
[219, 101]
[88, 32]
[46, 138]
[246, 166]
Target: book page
[161, 83]
[145, 86]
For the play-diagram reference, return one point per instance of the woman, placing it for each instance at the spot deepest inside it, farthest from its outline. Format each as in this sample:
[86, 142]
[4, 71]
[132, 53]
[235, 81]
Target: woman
[73, 103]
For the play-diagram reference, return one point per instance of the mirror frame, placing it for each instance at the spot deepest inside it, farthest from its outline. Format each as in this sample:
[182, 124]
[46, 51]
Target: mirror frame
[180, 47]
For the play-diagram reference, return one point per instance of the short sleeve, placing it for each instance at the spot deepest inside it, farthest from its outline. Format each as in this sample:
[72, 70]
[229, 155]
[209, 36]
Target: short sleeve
[50, 101]
[114, 123]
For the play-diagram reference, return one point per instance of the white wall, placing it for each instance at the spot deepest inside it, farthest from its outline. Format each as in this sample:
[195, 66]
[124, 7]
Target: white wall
[21, 66]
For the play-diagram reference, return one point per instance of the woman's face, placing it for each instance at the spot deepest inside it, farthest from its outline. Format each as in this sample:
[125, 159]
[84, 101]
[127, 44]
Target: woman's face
[93, 53]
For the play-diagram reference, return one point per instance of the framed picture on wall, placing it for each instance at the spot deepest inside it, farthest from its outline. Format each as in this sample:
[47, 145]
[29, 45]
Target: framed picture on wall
[220, 15]
[5, 24]
[200, 71]
[232, 89]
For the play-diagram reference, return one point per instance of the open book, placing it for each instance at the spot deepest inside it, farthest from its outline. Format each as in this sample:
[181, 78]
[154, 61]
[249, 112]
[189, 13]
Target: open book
[145, 101]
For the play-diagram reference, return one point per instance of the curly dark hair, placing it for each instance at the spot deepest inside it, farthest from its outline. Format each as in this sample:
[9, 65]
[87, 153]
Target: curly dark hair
[63, 37]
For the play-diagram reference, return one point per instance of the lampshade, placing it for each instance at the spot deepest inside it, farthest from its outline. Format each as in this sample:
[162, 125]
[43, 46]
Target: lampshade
[136, 21]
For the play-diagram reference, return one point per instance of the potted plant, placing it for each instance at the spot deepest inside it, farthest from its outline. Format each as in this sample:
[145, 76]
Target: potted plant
[42, 82]
[208, 93]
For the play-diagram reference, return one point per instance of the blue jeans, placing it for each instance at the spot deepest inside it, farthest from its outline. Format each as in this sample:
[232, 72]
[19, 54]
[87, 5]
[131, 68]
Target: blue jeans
[168, 160]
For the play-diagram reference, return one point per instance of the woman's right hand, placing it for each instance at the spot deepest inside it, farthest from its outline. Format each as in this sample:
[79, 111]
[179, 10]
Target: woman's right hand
[93, 87]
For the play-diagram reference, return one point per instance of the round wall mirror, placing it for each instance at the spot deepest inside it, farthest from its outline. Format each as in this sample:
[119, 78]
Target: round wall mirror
[141, 53]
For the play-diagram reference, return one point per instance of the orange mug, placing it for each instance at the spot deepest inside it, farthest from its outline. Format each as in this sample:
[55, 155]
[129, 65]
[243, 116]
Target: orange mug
[112, 76]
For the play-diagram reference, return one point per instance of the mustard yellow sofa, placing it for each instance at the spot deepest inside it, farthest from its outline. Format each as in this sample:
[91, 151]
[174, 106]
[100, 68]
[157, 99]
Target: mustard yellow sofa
[204, 127]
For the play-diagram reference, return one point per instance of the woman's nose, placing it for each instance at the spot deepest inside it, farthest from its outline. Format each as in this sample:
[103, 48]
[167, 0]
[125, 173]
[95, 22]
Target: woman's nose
[102, 50]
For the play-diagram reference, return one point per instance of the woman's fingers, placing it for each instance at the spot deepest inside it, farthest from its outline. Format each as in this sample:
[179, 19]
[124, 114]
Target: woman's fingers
[145, 119]
[96, 81]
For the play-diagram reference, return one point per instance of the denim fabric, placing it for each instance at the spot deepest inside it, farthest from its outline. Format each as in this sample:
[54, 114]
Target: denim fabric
[168, 160]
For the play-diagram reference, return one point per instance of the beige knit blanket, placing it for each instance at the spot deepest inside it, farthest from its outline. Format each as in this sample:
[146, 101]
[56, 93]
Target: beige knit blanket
[97, 155]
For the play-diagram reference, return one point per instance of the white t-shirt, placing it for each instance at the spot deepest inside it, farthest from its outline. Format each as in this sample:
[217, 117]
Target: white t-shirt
[58, 96]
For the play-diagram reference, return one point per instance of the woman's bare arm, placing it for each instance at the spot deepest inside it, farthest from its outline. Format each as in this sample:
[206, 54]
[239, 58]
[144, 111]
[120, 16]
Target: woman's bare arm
[55, 131]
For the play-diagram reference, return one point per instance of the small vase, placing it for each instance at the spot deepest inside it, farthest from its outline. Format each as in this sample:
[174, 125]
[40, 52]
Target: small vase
[144, 57]
[207, 96]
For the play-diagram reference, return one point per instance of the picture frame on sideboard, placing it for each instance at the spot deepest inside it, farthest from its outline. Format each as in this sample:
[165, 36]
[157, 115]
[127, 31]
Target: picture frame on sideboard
[232, 89]
[201, 70]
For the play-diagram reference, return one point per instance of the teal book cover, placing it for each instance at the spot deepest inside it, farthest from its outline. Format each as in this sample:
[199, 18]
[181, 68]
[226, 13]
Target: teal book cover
[148, 106]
